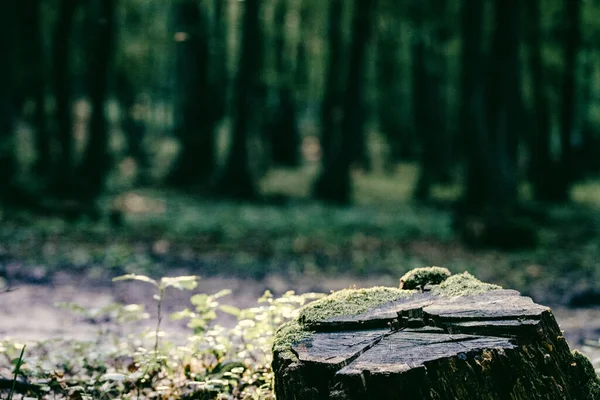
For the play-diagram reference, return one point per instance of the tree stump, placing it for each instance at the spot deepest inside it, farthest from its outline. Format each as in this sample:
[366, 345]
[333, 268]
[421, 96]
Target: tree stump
[461, 339]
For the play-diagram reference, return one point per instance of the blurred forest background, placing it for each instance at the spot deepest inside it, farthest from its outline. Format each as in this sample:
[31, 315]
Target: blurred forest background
[294, 136]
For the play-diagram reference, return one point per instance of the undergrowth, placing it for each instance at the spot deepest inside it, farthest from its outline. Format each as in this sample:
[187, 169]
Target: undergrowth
[213, 362]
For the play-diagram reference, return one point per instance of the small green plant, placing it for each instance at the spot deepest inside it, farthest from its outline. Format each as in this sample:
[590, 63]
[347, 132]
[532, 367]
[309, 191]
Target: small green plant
[181, 282]
[18, 364]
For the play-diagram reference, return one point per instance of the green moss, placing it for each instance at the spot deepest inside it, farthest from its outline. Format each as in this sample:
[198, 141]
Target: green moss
[349, 302]
[419, 277]
[463, 285]
[586, 374]
[343, 302]
[356, 301]
[289, 333]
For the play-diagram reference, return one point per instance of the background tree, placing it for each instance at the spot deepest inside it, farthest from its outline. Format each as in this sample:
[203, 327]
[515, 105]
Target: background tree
[200, 104]
[504, 104]
[283, 126]
[472, 99]
[334, 183]
[429, 98]
[63, 176]
[392, 108]
[572, 44]
[7, 112]
[236, 179]
[96, 161]
[331, 109]
[32, 79]
[541, 161]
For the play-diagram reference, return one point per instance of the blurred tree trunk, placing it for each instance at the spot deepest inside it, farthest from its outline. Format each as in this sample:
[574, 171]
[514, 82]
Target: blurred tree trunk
[541, 162]
[33, 83]
[571, 48]
[472, 105]
[7, 99]
[63, 174]
[488, 213]
[331, 110]
[334, 183]
[332, 98]
[283, 127]
[237, 180]
[390, 103]
[96, 161]
[588, 155]
[504, 105]
[132, 123]
[301, 72]
[201, 98]
[429, 103]
[492, 133]
[218, 65]
[354, 107]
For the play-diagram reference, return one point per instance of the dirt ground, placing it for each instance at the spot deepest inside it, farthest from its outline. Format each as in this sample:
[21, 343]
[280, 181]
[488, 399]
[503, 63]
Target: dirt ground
[29, 312]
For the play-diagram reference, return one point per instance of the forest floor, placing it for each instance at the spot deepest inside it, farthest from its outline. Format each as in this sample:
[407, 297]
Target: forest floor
[33, 312]
[251, 248]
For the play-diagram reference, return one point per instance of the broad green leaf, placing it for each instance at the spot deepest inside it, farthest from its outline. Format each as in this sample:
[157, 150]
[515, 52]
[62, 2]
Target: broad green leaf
[221, 293]
[182, 314]
[199, 299]
[230, 310]
[113, 377]
[136, 277]
[181, 282]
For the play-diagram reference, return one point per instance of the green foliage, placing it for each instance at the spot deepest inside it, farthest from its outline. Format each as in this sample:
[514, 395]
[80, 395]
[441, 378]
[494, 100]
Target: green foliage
[214, 362]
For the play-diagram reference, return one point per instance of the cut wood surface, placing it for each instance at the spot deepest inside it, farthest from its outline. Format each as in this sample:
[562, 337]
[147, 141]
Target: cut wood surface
[462, 339]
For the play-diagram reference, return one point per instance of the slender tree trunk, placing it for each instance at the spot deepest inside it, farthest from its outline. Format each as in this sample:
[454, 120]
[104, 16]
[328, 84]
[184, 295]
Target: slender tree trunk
[486, 217]
[334, 184]
[541, 163]
[429, 103]
[588, 160]
[390, 105]
[284, 134]
[355, 107]
[504, 105]
[571, 50]
[354, 115]
[132, 124]
[491, 133]
[331, 107]
[424, 110]
[471, 111]
[237, 180]
[30, 37]
[63, 174]
[96, 162]
[219, 74]
[301, 71]
[196, 120]
[7, 49]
